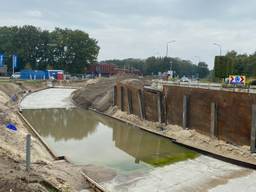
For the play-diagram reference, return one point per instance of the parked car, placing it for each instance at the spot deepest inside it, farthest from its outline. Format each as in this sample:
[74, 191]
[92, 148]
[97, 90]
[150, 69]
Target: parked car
[184, 79]
[16, 75]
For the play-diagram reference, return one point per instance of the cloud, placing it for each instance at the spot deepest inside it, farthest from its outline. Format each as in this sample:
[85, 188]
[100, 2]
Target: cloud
[34, 13]
[141, 28]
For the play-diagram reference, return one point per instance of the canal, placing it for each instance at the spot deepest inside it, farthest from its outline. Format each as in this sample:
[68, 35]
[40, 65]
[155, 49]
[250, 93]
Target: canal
[103, 141]
[142, 161]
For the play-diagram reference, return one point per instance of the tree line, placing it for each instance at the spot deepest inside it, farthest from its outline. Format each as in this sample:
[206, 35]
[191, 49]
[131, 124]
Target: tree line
[235, 64]
[153, 65]
[70, 50]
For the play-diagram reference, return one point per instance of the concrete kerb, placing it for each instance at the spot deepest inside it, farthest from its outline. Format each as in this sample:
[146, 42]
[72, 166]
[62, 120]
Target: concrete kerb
[93, 184]
[34, 132]
[197, 149]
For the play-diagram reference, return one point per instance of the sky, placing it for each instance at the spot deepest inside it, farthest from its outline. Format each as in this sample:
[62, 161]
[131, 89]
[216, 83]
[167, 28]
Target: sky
[142, 28]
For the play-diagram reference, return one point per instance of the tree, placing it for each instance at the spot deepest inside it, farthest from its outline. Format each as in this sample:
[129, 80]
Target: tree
[162, 64]
[71, 50]
[223, 66]
[203, 70]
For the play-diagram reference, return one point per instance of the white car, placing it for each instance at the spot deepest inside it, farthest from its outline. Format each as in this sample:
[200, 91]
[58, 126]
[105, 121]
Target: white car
[16, 75]
[184, 79]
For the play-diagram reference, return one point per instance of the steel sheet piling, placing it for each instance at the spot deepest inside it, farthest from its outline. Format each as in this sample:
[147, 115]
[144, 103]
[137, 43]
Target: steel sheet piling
[253, 129]
[185, 112]
[213, 120]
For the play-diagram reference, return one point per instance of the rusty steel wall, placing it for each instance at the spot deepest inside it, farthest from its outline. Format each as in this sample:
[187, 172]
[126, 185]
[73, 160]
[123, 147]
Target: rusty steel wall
[233, 112]
[135, 101]
[234, 109]
[118, 95]
[134, 98]
[150, 100]
[125, 98]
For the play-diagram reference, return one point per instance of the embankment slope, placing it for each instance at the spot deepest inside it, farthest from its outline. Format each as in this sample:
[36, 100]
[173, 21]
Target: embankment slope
[45, 174]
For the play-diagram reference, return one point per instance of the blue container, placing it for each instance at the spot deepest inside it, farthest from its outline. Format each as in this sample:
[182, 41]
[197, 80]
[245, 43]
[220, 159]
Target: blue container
[32, 75]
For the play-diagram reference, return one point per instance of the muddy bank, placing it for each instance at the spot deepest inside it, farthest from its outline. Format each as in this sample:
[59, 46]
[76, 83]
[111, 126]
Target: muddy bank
[45, 174]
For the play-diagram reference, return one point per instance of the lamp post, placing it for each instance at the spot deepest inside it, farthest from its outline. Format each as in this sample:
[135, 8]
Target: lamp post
[167, 46]
[199, 59]
[220, 47]
[167, 49]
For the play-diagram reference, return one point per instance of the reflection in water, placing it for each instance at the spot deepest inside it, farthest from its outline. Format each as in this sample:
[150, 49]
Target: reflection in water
[86, 137]
[62, 124]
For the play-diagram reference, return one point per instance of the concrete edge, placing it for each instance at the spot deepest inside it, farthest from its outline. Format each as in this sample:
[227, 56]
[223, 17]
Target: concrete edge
[206, 152]
[54, 156]
[92, 183]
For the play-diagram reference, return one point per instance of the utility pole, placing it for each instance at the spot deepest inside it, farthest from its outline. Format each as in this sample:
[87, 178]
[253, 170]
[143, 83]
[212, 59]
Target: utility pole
[199, 59]
[220, 47]
[167, 50]
[167, 46]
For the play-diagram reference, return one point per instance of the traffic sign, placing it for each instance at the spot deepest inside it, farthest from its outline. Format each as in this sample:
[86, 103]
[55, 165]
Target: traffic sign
[1, 60]
[14, 61]
[237, 79]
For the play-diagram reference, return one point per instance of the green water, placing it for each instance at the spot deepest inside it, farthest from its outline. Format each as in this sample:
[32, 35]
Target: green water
[88, 138]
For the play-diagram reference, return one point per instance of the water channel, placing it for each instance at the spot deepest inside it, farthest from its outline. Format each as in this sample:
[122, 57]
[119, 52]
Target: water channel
[103, 141]
[142, 161]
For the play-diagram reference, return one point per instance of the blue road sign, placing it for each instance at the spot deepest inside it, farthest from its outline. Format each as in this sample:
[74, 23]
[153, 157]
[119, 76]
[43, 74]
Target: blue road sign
[1, 60]
[14, 61]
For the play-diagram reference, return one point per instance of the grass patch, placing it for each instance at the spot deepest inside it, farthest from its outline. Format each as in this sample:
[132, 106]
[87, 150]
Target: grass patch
[4, 81]
[166, 160]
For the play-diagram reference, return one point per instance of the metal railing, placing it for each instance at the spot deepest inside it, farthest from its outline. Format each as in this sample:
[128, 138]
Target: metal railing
[158, 85]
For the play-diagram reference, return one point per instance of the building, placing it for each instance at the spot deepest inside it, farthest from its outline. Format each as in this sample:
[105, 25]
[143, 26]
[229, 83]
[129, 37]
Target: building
[3, 70]
[109, 69]
[105, 69]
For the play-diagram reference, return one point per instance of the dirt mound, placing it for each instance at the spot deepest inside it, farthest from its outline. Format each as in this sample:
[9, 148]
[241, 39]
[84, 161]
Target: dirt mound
[97, 94]
[10, 88]
[133, 83]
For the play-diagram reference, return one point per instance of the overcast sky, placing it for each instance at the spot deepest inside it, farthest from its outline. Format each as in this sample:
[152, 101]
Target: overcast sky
[141, 28]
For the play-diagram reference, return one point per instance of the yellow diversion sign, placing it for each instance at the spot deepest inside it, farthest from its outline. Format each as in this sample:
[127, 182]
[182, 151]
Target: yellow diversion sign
[237, 79]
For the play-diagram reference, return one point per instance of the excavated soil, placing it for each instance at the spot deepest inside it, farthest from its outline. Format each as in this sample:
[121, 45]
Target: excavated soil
[45, 173]
[96, 94]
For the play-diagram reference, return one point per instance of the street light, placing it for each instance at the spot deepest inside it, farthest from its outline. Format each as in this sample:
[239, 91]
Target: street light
[167, 46]
[218, 45]
[199, 59]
